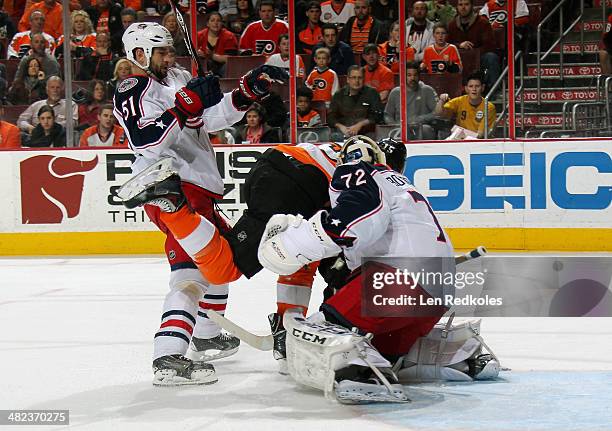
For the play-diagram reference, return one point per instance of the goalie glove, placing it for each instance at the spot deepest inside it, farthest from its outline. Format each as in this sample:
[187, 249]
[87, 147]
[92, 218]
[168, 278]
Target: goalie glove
[256, 84]
[289, 242]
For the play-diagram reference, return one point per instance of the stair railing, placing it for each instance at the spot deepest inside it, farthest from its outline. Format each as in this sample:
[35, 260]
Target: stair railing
[559, 41]
[519, 91]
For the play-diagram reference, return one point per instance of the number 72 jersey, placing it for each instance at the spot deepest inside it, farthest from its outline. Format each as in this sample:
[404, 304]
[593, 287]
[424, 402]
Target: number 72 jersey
[377, 212]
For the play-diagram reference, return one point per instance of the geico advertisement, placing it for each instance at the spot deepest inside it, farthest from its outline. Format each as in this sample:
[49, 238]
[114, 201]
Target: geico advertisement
[530, 184]
[483, 184]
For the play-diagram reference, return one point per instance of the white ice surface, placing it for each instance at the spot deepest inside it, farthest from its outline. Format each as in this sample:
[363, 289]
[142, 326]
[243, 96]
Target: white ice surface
[77, 334]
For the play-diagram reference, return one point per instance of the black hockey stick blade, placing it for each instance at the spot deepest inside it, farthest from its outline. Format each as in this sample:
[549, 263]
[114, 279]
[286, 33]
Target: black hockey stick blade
[187, 36]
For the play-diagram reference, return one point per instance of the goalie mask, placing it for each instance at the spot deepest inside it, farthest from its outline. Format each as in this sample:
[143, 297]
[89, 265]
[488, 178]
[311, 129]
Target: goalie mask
[395, 153]
[361, 148]
[147, 36]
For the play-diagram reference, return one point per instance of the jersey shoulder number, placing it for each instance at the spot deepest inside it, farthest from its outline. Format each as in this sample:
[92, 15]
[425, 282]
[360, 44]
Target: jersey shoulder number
[127, 97]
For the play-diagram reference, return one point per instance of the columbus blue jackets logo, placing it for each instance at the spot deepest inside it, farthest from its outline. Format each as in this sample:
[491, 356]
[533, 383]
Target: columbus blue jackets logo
[265, 47]
[127, 84]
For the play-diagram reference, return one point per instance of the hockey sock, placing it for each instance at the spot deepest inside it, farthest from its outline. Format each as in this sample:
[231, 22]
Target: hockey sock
[215, 298]
[177, 322]
[293, 291]
[200, 238]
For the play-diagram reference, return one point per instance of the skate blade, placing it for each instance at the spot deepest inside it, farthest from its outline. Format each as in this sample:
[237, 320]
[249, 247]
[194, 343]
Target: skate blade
[358, 393]
[207, 356]
[283, 368]
[169, 378]
[157, 172]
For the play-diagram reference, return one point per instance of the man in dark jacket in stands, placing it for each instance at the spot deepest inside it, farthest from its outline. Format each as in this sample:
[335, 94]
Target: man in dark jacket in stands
[105, 16]
[468, 31]
[363, 28]
[355, 108]
[341, 54]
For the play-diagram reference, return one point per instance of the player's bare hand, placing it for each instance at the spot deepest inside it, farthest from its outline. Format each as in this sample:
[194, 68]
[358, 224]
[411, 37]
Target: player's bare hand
[466, 45]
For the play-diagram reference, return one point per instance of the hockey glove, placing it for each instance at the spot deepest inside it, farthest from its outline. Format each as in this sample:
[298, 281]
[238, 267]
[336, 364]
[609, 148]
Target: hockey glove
[199, 93]
[256, 84]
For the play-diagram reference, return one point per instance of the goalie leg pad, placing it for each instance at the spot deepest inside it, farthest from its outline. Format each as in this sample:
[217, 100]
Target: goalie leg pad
[317, 349]
[453, 352]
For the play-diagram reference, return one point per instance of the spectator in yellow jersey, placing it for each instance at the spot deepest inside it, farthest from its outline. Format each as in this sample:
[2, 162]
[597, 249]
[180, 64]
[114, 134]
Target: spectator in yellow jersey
[468, 110]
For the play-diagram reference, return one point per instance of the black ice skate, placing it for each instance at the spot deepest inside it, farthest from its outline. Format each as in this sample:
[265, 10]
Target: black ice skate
[280, 334]
[157, 185]
[209, 349]
[175, 370]
[483, 367]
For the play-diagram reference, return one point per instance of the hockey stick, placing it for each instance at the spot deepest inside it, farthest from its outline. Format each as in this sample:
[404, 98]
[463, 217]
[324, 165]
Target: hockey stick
[266, 342]
[477, 252]
[187, 37]
[260, 342]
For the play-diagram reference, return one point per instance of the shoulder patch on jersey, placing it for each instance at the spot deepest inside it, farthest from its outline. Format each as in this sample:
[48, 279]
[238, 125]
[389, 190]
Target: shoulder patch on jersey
[127, 84]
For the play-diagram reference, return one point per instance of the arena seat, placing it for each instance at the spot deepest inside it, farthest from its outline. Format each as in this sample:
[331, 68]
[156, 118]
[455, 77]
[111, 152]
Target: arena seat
[12, 113]
[450, 83]
[238, 65]
[313, 134]
[470, 58]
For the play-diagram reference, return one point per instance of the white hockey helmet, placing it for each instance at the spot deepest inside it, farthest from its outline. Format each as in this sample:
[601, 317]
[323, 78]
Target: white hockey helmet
[360, 147]
[145, 35]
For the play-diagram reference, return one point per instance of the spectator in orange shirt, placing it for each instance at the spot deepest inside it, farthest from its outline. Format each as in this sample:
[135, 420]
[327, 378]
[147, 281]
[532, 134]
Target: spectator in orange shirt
[53, 17]
[442, 56]
[22, 42]
[323, 81]
[39, 50]
[104, 134]
[377, 75]
[82, 37]
[312, 33]
[307, 117]
[9, 133]
[389, 50]
[363, 28]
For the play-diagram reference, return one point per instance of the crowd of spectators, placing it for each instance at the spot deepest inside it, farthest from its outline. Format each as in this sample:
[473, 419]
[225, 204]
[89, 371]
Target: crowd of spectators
[347, 67]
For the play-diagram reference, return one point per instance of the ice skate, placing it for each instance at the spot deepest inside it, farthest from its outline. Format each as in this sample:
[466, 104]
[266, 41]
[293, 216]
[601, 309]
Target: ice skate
[360, 385]
[280, 334]
[209, 349]
[483, 367]
[177, 370]
[157, 185]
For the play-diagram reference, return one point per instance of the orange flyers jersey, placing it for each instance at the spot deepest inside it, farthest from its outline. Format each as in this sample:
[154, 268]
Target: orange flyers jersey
[449, 53]
[309, 120]
[331, 15]
[498, 13]
[389, 56]
[381, 78]
[85, 41]
[323, 84]
[90, 138]
[360, 35]
[321, 156]
[260, 40]
[21, 43]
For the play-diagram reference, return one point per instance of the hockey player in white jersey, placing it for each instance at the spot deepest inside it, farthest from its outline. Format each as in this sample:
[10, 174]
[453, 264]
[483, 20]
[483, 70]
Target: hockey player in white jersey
[376, 212]
[163, 119]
